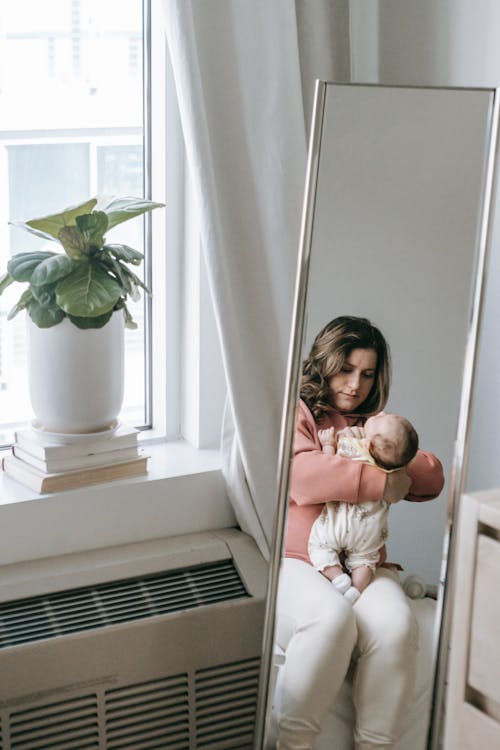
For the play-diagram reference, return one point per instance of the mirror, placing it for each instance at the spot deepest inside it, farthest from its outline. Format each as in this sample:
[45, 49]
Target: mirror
[395, 221]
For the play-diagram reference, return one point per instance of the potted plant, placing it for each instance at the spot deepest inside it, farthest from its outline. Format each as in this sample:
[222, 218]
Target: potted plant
[76, 300]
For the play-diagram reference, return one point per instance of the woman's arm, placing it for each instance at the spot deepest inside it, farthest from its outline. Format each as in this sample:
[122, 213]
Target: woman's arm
[427, 477]
[317, 477]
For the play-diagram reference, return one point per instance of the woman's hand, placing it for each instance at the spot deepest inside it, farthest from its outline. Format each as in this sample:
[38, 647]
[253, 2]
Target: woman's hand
[397, 486]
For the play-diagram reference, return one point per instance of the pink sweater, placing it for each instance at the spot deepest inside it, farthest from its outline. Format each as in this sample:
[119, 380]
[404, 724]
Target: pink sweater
[318, 477]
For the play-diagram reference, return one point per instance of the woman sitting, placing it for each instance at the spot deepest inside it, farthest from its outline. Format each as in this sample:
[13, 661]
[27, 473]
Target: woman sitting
[346, 379]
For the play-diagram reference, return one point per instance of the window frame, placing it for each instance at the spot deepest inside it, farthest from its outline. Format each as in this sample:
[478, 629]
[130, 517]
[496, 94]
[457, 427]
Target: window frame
[183, 440]
[93, 138]
[187, 374]
[180, 333]
[164, 230]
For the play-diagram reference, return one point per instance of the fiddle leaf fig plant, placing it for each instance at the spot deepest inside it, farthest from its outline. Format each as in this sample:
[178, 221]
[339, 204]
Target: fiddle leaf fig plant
[87, 279]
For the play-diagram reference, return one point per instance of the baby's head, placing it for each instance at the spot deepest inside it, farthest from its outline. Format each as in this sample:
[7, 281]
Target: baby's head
[392, 440]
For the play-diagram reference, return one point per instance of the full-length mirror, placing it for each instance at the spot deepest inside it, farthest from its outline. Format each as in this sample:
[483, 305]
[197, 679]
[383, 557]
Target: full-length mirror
[394, 231]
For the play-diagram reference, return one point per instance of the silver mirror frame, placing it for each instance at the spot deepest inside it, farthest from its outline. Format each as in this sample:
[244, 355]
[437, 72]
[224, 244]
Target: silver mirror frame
[461, 451]
[287, 422]
[462, 442]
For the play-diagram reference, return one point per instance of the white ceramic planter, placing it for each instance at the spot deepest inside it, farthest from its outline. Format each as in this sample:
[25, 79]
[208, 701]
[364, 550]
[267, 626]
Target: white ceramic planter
[76, 376]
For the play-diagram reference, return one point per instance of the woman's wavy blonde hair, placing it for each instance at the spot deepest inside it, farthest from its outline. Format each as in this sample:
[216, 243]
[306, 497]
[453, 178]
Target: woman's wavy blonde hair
[330, 349]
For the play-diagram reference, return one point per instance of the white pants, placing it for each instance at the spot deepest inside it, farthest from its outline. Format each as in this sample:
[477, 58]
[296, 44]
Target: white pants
[360, 530]
[319, 631]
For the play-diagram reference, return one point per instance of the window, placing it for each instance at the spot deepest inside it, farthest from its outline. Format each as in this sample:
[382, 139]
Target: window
[73, 102]
[71, 126]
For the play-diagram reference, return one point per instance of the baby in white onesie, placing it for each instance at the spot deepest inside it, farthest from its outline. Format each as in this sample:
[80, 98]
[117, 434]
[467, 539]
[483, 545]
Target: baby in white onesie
[359, 530]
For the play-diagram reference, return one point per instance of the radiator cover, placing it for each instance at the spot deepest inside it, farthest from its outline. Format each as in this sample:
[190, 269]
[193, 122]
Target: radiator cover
[182, 679]
[75, 610]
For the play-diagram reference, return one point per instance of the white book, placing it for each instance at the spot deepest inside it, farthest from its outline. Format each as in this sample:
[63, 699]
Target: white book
[67, 480]
[42, 446]
[50, 465]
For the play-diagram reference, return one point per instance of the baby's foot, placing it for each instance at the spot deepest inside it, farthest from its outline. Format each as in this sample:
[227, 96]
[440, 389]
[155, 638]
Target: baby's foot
[352, 594]
[342, 583]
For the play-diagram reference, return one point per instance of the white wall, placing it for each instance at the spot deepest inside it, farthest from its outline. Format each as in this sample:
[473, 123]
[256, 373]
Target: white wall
[445, 43]
[396, 219]
[204, 385]
[456, 43]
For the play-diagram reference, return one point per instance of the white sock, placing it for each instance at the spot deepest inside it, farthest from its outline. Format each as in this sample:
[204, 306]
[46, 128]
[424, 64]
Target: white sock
[342, 583]
[352, 594]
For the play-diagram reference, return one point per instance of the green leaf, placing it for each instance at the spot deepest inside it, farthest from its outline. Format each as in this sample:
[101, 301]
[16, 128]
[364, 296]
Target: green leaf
[44, 317]
[120, 272]
[44, 295]
[135, 279]
[22, 303]
[5, 281]
[88, 291]
[73, 242]
[93, 226]
[129, 321]
[134, 293]
[126, 277]
[85, 323]
[22, 265]
[50, 226]
[125, 253]
[119, 210]
[51, 270]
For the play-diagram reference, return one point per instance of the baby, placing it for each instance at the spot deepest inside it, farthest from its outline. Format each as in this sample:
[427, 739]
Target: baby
[359, 530]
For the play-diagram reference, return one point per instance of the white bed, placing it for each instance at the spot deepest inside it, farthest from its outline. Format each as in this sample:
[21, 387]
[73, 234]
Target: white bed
[337, 729]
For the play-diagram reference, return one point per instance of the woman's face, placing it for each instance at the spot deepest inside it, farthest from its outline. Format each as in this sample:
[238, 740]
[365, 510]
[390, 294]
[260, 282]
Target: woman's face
[352, 385]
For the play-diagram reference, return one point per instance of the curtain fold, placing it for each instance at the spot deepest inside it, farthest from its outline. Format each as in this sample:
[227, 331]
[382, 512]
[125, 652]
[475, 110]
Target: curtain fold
[237, 71]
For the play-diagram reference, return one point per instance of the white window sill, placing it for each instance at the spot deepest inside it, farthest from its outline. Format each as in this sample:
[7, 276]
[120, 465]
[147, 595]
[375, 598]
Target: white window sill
[182, 493]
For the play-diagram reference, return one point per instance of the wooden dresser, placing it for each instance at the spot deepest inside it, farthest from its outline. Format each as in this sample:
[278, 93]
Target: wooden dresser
[472, 712]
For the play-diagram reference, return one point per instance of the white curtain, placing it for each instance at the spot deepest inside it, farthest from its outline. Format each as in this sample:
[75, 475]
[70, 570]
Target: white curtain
[239, 67]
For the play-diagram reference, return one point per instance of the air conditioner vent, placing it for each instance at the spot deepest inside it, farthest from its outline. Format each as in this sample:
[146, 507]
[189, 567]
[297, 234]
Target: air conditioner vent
[226, 702]
[76, 610]
[65, 725]
[149, 715]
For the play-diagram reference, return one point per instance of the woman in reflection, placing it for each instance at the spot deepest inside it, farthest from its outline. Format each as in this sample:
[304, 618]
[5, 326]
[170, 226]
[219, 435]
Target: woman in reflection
[345, 379]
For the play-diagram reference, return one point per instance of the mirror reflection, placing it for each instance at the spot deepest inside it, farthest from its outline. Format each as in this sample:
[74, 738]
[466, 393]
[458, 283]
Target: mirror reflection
[395, 202]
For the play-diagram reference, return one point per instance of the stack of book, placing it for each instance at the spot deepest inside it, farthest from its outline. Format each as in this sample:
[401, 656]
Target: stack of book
[47, 465]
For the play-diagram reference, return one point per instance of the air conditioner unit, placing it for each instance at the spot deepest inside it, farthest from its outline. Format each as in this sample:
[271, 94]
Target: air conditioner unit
[140, 647]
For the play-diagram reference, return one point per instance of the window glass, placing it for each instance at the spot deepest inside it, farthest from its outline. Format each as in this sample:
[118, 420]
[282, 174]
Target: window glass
[40, 177]
[71, 114]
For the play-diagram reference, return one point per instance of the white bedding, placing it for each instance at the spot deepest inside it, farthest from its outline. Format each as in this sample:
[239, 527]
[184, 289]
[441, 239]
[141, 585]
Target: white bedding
[338, 726]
